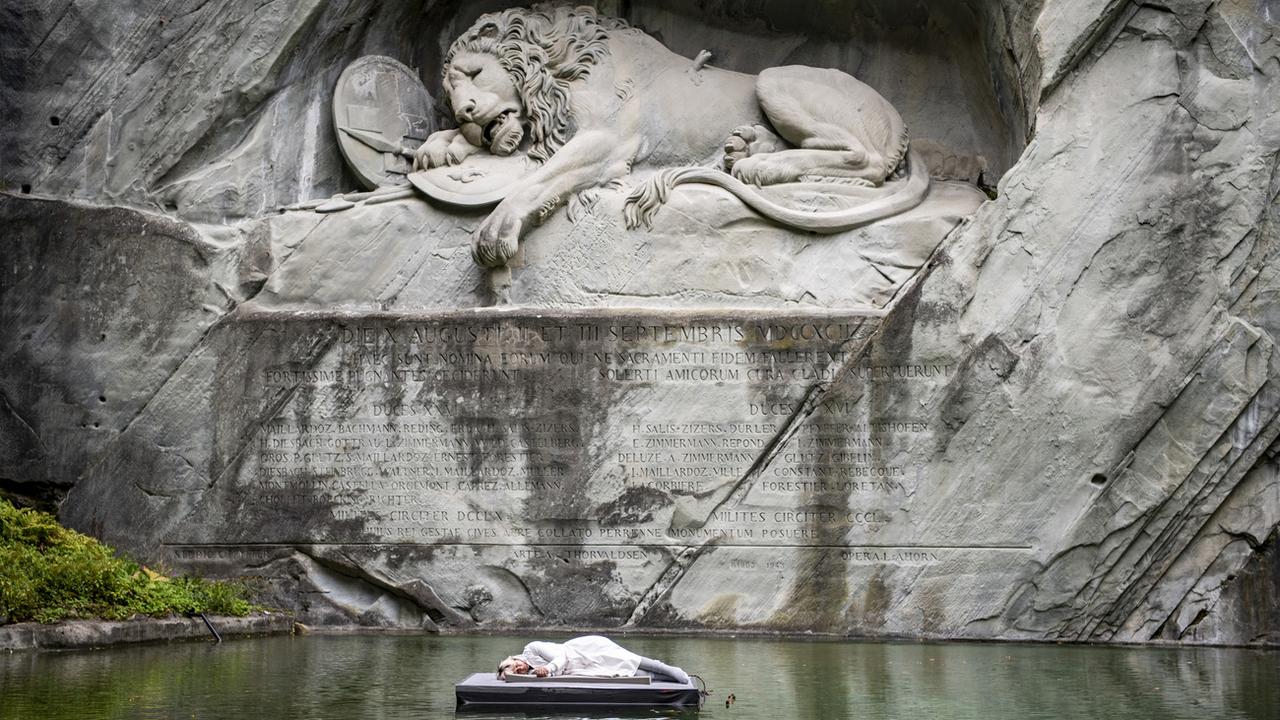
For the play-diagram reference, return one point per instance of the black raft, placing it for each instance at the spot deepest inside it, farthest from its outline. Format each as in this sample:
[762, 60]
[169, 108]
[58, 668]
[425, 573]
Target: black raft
[484, 690]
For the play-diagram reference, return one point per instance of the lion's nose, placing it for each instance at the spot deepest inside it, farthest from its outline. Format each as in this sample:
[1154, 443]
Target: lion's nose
[467, 110]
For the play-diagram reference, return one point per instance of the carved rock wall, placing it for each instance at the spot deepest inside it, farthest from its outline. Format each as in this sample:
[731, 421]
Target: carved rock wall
[216, 112]
[211, 111]
[1100, 460]
[1119, 340]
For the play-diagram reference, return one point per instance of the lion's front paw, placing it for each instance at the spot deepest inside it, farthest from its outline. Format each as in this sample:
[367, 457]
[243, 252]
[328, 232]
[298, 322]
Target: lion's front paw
[432, 153]
[446, 147]
[459, 149]
[497, 239]
[748, 140]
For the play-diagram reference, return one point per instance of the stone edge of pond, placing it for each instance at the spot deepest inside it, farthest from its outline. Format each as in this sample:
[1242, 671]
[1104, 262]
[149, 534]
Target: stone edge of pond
[85, 634]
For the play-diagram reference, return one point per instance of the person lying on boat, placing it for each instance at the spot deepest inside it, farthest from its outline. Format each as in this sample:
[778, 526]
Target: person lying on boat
[588, 655]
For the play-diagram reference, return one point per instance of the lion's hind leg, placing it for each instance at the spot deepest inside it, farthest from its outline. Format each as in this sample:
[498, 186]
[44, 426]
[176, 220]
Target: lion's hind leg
[839, 125]
[807, 165]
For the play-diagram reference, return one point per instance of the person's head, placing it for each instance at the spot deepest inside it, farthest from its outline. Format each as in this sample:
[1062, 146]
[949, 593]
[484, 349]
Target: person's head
[514, 664]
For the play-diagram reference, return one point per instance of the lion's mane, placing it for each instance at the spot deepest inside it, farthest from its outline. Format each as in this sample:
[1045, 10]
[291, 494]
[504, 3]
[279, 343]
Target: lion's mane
[544, 48]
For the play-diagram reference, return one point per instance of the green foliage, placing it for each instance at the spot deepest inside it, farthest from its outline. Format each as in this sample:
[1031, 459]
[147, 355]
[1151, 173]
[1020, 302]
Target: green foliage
[49, 573]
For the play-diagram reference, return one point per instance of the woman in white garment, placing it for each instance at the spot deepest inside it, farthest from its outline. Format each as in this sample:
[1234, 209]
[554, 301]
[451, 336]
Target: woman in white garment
[588, 655]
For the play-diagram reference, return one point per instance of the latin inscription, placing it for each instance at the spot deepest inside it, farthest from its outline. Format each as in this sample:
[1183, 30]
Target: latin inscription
[532, 434]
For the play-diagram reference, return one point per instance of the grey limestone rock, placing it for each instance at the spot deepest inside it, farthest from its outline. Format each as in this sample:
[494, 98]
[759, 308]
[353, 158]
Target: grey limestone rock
[1048, 415]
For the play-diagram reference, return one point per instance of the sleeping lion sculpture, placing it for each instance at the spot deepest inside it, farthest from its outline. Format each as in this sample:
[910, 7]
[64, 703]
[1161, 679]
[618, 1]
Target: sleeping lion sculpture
[589, 98]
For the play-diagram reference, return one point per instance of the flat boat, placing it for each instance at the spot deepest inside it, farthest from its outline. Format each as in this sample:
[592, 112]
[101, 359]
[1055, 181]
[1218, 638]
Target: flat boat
[484, 690]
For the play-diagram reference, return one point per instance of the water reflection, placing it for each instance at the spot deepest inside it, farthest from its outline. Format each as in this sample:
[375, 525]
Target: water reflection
[412, 677]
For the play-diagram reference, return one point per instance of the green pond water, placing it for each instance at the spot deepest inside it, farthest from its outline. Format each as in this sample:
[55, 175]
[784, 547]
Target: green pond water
[319, 676]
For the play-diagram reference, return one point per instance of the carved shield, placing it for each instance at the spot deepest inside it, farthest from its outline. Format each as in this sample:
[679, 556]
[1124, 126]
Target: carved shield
[480, 181]
[381, 113]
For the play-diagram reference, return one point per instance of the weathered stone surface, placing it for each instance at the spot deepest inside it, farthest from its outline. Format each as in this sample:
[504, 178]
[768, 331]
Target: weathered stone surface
[188, 106]
[1064, 428]
[1127, 313]
[706, 249]
[98, 307]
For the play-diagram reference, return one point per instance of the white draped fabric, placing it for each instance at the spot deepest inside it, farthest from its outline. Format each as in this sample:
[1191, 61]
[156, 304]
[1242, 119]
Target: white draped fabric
[588, 655]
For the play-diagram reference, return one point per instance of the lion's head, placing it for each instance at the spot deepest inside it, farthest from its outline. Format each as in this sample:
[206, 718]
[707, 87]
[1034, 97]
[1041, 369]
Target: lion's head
[514, 67]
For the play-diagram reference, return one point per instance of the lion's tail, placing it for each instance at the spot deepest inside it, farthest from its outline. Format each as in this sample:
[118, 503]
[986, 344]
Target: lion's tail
[643, 203]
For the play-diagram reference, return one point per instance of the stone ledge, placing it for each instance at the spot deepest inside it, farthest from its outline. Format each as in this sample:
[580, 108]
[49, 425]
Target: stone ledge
[84, 634]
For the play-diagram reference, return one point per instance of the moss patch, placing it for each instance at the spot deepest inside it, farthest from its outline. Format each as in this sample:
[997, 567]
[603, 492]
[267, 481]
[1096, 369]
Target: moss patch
[49, 573]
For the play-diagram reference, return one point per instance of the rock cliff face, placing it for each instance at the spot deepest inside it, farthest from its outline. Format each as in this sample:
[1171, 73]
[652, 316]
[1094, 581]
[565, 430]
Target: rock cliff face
[1052, 415]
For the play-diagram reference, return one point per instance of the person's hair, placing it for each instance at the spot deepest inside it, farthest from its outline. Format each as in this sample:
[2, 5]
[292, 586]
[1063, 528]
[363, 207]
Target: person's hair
[506, 664]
